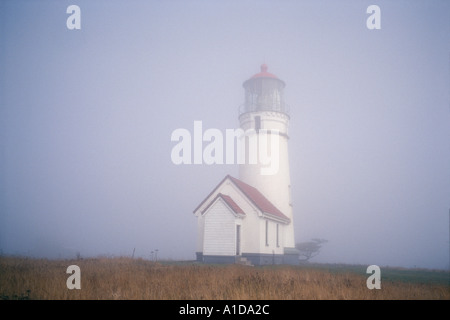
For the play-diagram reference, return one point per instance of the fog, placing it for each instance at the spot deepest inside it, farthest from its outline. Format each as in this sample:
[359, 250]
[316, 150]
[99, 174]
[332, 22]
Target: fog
[86, 118]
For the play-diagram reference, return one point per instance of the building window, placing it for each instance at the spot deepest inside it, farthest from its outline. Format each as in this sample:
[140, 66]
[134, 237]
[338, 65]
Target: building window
[257, 123]
[278, 235]
[267, 232]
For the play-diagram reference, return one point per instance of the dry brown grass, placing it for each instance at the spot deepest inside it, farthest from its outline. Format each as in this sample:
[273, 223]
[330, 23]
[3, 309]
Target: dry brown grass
[125, 278]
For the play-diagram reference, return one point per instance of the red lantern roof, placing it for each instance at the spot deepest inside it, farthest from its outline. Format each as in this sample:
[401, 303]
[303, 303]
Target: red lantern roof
[264, 73]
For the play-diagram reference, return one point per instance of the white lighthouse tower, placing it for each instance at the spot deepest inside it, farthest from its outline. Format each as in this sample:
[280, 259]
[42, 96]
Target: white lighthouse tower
[265, 111]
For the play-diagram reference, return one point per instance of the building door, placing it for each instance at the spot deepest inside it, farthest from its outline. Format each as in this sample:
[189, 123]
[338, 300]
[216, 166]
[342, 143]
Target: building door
[238, 240]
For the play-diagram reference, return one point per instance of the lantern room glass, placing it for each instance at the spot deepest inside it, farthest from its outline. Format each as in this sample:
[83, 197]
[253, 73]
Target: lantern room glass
[264, 94]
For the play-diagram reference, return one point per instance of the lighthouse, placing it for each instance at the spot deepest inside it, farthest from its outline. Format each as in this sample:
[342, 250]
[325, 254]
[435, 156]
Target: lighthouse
[265, 111]
[249, 219]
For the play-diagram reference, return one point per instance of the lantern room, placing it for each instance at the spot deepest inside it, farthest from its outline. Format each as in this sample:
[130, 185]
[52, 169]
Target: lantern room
[264, 92]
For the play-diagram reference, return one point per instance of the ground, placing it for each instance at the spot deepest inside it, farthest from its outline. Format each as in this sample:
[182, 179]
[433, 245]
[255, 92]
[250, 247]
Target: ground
[126, 278]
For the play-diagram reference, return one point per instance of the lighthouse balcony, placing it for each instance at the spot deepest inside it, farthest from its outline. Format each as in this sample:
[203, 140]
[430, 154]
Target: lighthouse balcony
[255, 107]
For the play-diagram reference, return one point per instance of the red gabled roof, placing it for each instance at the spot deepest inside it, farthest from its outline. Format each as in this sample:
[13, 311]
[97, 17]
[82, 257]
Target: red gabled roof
[253, 194]
[230, 202]
[258, 199]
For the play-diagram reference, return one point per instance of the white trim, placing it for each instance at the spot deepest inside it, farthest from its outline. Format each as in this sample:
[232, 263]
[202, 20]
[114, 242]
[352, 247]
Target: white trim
[269, 216]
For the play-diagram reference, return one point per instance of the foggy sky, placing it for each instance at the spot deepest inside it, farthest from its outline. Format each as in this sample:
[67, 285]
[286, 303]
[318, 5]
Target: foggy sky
[86, 118]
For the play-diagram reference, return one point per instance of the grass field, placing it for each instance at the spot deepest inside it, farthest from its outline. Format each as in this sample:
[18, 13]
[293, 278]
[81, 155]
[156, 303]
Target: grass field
[126, 278]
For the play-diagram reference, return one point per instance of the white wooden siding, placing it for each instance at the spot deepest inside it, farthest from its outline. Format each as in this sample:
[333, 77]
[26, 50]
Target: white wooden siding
[219, 230]
[200, 227]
